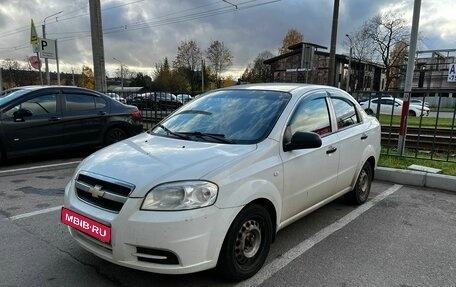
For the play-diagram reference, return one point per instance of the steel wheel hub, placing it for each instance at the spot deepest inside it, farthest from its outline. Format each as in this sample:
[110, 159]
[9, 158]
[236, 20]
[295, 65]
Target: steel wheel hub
[248, 241]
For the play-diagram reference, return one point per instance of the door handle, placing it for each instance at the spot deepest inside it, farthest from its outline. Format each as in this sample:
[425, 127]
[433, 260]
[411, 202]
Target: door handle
[54, 119]
[363, 137]
[331, 149]
[102, 113]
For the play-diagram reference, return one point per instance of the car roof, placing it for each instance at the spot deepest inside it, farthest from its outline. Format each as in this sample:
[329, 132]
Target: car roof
[40, 87]
[283, 87]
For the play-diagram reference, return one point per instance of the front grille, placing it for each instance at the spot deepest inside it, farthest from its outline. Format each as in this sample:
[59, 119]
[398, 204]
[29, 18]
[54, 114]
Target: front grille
[156, 256]
[104, 192]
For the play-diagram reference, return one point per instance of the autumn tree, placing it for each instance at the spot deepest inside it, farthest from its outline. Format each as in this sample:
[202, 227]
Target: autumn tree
[219, 58]
[258, 71]
[87, 79]
[292, 37]
[227, 81]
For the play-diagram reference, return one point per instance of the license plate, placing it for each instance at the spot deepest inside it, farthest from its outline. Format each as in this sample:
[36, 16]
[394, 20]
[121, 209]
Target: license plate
[86, 225]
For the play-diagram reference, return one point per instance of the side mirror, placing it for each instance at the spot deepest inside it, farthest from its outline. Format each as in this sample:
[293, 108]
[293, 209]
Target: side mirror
[19, 115]
[303, 140]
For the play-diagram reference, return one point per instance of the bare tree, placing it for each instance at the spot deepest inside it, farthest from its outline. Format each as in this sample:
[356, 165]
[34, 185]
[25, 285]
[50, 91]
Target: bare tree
[219, 57]
[9, 64]
[188, 61]
[386, 32]
[188, 56]
[293, 36]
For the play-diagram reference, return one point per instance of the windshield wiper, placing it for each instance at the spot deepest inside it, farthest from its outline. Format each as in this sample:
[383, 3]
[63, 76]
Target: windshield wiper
[170, 132]
[218, 137]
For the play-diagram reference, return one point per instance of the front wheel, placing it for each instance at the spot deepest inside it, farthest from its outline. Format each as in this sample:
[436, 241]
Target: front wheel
[361, 191]
[114, 135]
[412, 113]
[246, 244]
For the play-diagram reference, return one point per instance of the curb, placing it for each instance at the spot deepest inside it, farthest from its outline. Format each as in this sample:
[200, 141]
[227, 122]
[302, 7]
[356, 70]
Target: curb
[416, 178]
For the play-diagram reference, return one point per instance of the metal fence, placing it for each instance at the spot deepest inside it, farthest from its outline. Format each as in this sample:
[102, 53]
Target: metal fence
[428, 135]
[155, 106]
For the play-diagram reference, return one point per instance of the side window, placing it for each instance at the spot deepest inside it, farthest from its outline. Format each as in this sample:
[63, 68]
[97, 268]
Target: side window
[100, 103]
[79, 103]
[345, 112]
[38, 106]
[387, 102]
[310, 116]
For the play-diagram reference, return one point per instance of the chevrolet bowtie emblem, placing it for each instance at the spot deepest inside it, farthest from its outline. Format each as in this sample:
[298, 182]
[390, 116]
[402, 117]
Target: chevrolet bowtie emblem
[96, 191]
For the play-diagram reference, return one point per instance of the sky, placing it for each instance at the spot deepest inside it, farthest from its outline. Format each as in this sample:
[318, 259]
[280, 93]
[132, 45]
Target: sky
[141, 33]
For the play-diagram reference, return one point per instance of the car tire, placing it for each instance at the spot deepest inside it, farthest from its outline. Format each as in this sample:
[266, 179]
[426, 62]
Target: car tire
[360, 192]
[246, 244]
[114, 135]
[369, 112]
[411, 113]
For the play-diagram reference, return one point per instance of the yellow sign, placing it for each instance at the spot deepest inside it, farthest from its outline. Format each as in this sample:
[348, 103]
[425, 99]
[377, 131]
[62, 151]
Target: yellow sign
[33, 34]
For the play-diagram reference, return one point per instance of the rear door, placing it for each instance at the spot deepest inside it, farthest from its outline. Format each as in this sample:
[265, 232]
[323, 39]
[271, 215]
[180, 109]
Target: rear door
[85, 117]
[310, 175]
[352, 137]
[33, 124]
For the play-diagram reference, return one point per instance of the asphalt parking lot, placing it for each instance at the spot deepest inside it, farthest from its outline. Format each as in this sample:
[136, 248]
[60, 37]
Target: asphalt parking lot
[403, 236]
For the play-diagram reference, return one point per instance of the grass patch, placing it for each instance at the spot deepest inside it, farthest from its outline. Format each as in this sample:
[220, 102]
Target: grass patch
[392, 161]
[416, 121]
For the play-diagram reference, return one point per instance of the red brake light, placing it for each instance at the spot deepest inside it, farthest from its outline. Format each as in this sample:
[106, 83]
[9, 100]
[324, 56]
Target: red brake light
[136, 115]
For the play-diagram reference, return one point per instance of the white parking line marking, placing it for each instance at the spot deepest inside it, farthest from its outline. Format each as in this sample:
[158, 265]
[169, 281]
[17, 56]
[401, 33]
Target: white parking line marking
[269, 270]
[39, 167]
[38, 212]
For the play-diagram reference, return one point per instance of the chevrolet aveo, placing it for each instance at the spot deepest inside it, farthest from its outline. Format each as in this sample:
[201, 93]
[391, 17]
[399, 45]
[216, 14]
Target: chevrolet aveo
[210, 185]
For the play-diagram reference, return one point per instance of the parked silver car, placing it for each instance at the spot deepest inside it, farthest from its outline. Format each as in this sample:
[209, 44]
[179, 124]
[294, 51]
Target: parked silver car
[212, 184]
[393, 106]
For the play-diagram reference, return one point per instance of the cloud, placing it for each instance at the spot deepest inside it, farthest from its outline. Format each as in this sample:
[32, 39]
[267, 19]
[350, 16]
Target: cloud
[142, 33]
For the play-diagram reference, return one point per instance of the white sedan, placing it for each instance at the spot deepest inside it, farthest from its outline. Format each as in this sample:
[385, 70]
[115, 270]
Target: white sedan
[212, 184]
[393, 106]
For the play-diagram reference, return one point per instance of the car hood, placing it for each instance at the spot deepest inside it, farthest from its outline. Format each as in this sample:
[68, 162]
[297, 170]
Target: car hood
[147, 160]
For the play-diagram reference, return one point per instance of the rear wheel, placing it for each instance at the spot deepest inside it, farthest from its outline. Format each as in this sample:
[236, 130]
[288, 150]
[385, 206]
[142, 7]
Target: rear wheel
[114, 135]
[369, 112]
[361, 191]
[246, 244]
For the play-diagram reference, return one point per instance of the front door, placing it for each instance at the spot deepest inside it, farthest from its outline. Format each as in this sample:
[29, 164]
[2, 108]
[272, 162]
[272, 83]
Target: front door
[33, 125]
[310, 175]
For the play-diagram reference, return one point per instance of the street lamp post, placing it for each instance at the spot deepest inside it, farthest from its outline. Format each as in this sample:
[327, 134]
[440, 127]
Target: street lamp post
[349, 63]
[48, 77]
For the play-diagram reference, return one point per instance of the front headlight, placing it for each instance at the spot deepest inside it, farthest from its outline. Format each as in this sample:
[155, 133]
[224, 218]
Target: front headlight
[181, 195]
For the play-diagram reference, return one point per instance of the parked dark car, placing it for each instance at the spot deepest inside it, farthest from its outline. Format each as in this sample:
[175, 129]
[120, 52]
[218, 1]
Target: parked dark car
[154, 101]
[38, 119]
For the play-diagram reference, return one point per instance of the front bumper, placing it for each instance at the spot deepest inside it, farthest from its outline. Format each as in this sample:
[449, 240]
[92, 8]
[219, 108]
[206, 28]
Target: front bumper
[156, 241]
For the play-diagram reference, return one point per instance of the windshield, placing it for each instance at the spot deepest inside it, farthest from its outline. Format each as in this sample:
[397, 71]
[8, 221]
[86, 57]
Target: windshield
[227, 116]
